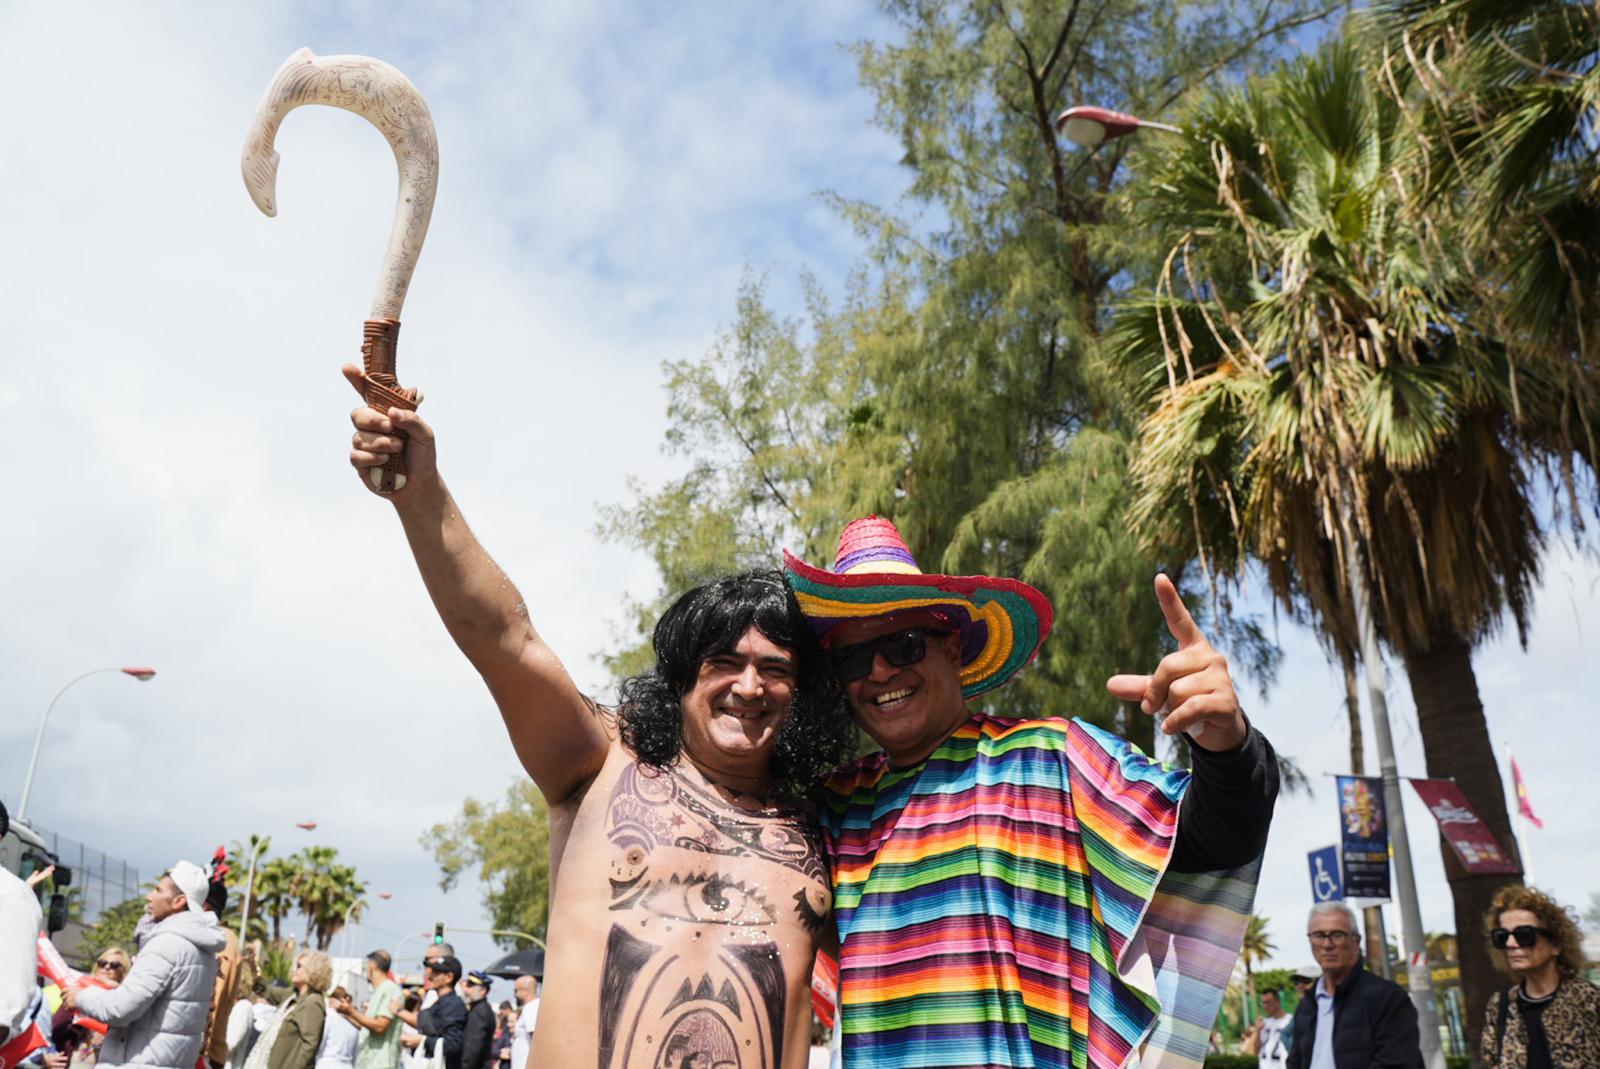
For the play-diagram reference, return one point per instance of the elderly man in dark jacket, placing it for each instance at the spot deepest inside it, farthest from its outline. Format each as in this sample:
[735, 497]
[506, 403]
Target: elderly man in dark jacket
[1353, 1019]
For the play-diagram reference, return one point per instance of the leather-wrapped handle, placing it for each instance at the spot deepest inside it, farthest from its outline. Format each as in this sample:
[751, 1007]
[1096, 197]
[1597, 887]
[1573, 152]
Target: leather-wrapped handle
[379, 340]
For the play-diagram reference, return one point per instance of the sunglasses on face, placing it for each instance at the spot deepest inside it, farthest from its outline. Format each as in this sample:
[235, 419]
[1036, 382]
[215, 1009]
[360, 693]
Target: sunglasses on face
[899, 649]
[1525, 934]
[110, 966]
[1335, 938]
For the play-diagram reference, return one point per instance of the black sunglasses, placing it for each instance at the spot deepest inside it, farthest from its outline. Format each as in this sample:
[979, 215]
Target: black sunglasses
[1525, 934]
[899, 649]
[117, 965]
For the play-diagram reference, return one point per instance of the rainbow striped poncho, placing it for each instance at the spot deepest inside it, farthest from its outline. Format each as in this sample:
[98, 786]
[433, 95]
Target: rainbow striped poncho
[1005, 903]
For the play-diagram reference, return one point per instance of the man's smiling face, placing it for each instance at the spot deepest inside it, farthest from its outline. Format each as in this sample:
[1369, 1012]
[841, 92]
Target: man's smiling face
[911, 709]
[737, 704]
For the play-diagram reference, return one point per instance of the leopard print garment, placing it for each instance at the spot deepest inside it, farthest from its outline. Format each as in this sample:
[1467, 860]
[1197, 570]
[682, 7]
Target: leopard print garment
[1571, 1023]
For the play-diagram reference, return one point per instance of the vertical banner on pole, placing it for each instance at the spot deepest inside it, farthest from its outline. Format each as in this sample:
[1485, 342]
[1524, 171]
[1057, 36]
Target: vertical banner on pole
[1469, 837]
[1325, 883]
[1364, 835]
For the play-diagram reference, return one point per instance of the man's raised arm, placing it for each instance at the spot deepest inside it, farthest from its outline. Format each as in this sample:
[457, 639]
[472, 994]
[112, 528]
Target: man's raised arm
[554, 728]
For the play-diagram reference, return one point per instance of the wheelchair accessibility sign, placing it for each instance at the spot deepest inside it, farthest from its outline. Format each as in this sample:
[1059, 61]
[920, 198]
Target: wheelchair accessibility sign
[1325, 886]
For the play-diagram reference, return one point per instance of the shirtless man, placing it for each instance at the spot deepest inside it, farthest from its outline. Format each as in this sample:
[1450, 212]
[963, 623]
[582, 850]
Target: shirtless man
[688, 890]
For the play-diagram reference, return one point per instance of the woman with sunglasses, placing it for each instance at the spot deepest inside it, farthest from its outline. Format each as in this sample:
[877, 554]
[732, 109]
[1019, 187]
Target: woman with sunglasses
[1549, 1019]
[77, 1043]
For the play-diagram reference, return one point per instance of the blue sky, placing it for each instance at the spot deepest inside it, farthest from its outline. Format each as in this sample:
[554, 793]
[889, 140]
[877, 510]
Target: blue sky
[178, 493]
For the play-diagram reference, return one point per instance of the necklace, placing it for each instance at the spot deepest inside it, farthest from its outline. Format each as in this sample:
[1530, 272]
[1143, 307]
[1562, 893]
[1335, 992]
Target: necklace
[764, 801]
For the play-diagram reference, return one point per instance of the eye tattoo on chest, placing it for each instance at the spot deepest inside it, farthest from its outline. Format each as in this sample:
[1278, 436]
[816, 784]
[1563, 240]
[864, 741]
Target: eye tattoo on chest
[723, 1007]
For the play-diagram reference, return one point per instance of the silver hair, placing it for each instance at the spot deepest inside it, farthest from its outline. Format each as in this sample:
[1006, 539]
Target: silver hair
[1322, 908]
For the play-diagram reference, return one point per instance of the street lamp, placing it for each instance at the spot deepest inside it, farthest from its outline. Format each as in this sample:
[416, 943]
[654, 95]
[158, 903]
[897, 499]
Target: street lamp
[1089, 127]
[141, 674]
[344, 925]
[250, 879]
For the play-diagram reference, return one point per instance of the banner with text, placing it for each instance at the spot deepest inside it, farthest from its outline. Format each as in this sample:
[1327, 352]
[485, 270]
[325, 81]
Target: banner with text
[1480, 852]
[1364, 837]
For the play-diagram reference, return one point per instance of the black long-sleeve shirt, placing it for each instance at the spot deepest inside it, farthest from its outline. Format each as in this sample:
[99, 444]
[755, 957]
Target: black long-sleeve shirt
[443, 1022]
[1225, 813]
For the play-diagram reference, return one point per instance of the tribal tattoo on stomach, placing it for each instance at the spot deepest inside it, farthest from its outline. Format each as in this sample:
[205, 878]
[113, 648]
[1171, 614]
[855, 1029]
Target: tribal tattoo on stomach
[692, 977]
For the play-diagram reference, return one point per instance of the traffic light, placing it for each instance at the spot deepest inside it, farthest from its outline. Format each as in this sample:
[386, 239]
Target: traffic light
[438, 933]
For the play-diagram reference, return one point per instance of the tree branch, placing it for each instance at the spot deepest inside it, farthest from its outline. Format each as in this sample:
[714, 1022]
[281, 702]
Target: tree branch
[1061, 42]
[1246, 46]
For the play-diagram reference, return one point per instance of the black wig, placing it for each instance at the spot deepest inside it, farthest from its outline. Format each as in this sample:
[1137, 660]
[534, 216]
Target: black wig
[709, 620]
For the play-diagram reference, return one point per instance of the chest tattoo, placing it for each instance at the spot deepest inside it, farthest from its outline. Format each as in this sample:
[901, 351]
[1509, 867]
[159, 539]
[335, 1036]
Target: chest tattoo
[722, 1003]
[651, 809]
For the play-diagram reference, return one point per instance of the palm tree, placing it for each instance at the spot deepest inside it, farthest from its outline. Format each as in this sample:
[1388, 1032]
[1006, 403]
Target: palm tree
[1508, 97]
[323, 890]
[269, 892]
[1257, 948]
[1318, 391]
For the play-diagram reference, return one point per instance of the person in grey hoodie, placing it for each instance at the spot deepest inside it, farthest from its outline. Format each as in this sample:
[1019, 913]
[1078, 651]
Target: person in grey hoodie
[158, 1014]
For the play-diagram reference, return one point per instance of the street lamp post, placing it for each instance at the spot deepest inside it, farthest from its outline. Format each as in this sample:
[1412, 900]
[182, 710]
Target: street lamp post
[344, 925]
[1090, 127]
[1419, 971]
[141, 674]
[250, 878]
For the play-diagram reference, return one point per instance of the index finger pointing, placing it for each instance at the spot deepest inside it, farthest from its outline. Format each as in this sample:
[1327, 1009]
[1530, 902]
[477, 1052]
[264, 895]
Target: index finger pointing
[1179, 622]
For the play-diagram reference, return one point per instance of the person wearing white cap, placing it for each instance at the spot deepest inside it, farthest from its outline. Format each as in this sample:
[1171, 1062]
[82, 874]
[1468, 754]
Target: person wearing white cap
[158, 1014]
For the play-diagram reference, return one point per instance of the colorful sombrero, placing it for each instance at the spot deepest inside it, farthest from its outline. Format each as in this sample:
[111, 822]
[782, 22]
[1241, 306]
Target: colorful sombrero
[1002, 621]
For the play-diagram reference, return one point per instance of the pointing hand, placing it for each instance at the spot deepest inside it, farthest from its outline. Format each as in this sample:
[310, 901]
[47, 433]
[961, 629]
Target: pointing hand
[1191, 690]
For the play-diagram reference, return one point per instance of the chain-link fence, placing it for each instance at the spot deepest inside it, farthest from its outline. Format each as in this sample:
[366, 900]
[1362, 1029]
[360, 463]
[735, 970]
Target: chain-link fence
[99, 881]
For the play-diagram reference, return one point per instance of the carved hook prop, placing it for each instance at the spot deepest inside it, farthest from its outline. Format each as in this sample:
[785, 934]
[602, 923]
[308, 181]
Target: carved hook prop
[386, 98]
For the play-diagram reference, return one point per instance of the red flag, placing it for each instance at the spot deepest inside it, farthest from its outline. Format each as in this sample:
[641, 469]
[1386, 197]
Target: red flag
[1523, 805]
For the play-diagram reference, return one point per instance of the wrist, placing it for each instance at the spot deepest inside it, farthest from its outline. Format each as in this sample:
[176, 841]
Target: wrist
[426, 496]
[1223, 739]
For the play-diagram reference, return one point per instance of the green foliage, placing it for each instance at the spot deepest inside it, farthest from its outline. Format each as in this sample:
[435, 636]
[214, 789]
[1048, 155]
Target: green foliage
[755, 418]
[115, 928]
[1231, 1061]
[1308, 380]
[1278, 980]
[277, 963]
[1591, 913]
[1506, 93]
[509, 844]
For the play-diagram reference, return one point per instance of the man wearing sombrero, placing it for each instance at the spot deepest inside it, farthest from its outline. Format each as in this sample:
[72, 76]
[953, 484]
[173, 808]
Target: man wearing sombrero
[1024, 892]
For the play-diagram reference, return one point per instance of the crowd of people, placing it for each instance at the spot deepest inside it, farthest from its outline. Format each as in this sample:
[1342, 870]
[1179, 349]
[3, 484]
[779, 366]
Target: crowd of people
[187, 998]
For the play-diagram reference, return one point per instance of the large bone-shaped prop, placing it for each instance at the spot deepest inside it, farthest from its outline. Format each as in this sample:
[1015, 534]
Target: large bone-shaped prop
[387, 99]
